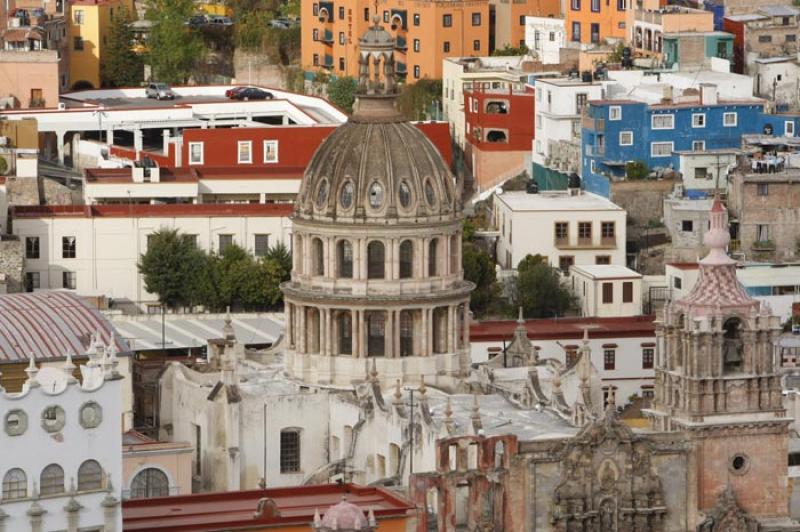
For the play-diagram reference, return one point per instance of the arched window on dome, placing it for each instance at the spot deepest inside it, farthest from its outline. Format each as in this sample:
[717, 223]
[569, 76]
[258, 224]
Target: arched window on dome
[51, 481]
[440, 330]
[455, 256]
[344, 332]
[406, 259]
[344, 259]
[406, 333]
[376, 260]
[312, 330]
[376, 334]
[732, 346]
[149, 482]
[317, 257]
[433, 258]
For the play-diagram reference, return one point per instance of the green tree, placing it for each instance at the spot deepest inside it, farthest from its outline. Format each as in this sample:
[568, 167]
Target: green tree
[279, 253]
[538, 289]
[173, 48]
[416, 100]
[342, 93]
[511, 51]
[121, 67]
[480, 269]
[170, 267]
[636, 170]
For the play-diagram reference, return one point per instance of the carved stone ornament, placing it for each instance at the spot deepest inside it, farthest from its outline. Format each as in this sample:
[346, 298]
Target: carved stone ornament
[607, 482]
[727, 516]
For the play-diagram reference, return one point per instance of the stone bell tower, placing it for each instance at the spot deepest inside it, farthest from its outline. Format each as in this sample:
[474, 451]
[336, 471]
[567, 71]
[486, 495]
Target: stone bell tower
[716, 381]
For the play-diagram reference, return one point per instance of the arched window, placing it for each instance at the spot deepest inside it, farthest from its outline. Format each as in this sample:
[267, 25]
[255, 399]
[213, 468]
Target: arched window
[317, 257]
[376, 260]
[344, 259]
[732, 347]
[51, 480]
[376, 334]
[406, 334]
[433, 259]
[90, 476]
[150, 482]
[344, 327]
[15, 485]
[455, 256]
[290, 450]
[406, 259]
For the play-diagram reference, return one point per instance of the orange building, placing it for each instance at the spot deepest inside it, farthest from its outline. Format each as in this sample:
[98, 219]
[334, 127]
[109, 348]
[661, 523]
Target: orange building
[426, 32]
[509, 19]
[594, 21]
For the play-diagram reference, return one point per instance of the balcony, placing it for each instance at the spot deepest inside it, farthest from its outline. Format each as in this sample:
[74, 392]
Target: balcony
[327, 37]
[401, 43]
[595, 151]
[328, 63]
[402, 69]
[764, 245]
[588, 122]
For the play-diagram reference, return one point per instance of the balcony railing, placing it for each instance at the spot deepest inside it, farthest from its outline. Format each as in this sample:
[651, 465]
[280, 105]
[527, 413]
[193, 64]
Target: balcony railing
[594, 124]
[328, 63]
[595, 151]
[401, 68]
[327, 37]
[401, 43]
[608, 241]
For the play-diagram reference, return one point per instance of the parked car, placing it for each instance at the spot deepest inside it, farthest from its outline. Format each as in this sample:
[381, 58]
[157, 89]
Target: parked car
[233, 90]
[196, 21]
[251, 93]
[216, 20]
[159, 91]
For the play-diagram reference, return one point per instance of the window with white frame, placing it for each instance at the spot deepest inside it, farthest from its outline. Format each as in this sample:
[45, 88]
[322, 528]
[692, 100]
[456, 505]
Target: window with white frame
[539, 147]
[663, 121]
[270, 151]
[729, 119]
[592, 166]
[661, 149]
[698, 145]
[699, 120]
[615, 112]
[626, 138]
[788, 129]
[245, 151]
[538, 121]
[538, 95]
[195, 153]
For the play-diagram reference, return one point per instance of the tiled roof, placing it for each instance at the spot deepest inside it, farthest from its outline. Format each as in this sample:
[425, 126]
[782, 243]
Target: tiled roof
[49, 324]
[184, 174]
[565, 328]
[153, 211]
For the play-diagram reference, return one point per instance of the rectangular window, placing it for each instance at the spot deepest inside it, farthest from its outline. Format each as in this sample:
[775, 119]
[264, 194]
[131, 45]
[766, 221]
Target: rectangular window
[341, 13]
[602, 259]
[677, 283]
[576, 30]
[762, 233]
[648, 357]
[77, 17]
[562, 232]
[576, 5]
[660, 149]
[701, 172]
[476, 45]
[315, 35]
[270, 151]
[77, 44]
[447, 21]
[224, 242]
[648, 393]
[729, 119]
[447, 47]
[596, 6]
[571, 357]
[342, 38]
[366, 14]
[315, 61]
[416, 45]
[662, 121]
[687, 226]
[538, 121]
[245, 151]
[341, 64]
[261, 245]
[609, 359]
[416, 71]
[522, 20]
[565, 262]
[594, 33]
[386, 17]
[764, 38]
[584, 232]
[290, 451]
[627, 292]
[626, 138]
[762, 189]
[580, 102]
[608, 230]
[621, 5]
[699, 120]
[788, 129]
[608, 292]
[698, 145]
[68, 280]
[32, 247]
[615, 112]
[32, 281]
[68, 247]
[476, 19]
[195, 153]
[791, 37]
[416, 19]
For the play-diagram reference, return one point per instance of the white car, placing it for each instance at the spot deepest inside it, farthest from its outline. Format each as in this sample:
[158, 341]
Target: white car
[159, 91]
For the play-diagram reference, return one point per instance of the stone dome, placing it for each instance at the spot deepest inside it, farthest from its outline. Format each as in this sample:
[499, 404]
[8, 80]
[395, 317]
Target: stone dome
[372, 170]
[344, 516]
[376, 36]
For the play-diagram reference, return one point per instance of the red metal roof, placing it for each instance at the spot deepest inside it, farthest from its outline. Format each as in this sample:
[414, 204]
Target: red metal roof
[49, 324]
[136, 210]
[237, 509]
[684, 265]
[565, 328]
[193, 174]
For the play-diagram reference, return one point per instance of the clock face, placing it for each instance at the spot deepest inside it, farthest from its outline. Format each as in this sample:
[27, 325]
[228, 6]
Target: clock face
[91, 415]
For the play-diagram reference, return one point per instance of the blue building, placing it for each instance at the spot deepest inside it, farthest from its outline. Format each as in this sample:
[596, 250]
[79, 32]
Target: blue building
[619, 131]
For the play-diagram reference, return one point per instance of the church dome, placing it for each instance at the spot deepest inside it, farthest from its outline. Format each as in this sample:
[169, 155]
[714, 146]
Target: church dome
[376, 170]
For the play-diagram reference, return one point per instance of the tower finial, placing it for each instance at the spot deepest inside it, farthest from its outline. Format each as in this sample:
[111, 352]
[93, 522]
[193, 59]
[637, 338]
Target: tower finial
[32, 371]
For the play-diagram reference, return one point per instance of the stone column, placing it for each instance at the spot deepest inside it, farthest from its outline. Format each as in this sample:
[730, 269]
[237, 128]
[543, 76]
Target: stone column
[354, 340]
[60, 146]
[301, 329]
[287, 312]
[424, 263]
[307, 255]
[388, 338]
[397, 333]
[429, 331]
[362, 337]
[356, 259]
[450, 329]
[423, 332]
[166, 134]
[323, 331]
[364, 259]
[465, 325]
[137, 141]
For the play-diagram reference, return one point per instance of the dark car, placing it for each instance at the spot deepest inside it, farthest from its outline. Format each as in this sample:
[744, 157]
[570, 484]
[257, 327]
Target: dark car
[197, 21]
[233, 90]
[251, 93]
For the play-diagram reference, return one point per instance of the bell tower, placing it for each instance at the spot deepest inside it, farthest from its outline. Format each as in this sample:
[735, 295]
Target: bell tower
[716, 381]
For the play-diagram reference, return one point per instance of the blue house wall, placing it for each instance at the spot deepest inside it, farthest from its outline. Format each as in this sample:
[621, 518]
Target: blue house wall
[718, 10]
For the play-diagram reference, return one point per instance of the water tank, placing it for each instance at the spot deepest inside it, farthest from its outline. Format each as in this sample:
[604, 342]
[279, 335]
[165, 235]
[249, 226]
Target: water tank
[574, 181]
[532, 187]
[586, 76]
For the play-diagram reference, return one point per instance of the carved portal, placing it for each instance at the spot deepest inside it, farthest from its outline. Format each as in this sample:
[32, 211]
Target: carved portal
[608, 483]
[726, 516]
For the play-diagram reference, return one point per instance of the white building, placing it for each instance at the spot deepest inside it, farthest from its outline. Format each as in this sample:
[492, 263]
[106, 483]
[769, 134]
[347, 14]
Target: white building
[686, 220]
[459, 73]
[545, 36]
[607, 290]
[61, 463]
[567, 227]
[703, 172]
[559, 105]
[94, 249]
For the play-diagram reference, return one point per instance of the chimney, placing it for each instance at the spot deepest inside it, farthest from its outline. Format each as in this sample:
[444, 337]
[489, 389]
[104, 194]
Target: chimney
[708, 94]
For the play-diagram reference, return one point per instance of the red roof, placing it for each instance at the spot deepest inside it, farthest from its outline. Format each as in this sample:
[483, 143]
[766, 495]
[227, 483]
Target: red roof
[237, 509]
[565, 328]
[684, 265]
[193, 174]
[137, 210]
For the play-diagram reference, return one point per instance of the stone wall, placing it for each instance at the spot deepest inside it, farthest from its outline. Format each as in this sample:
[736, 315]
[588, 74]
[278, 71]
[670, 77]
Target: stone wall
[643, 201]
[257, 69]
[11, 262]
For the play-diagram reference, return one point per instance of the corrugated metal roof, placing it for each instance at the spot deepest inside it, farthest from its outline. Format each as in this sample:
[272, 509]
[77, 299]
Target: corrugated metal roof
[183, 332]
[49, 324]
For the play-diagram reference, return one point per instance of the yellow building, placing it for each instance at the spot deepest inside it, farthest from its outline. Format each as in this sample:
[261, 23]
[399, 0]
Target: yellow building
[426, 32]
[89, 25]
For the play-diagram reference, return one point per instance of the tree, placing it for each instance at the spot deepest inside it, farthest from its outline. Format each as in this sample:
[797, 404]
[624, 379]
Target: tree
[173, 48]
[479, 268]
[538, 289]
[636, 170]
[170, 267]
[511, 51]
[279, 254]
[121, 67]
[416, 100]
[342, 93]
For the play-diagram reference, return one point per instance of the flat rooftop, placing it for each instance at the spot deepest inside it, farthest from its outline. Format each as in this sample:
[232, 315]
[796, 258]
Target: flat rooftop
[556, 201]
[137, 210]
[565, 328]
[185, 174]
[607, 271]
